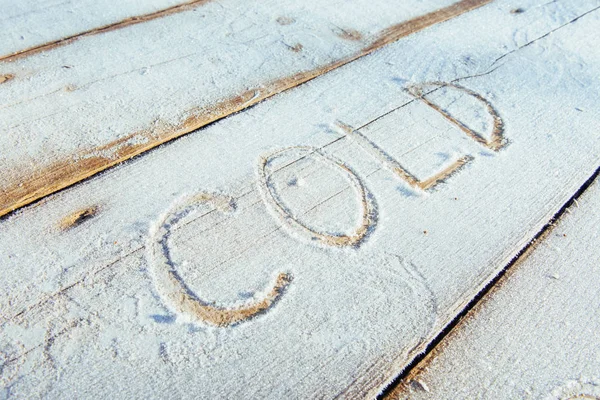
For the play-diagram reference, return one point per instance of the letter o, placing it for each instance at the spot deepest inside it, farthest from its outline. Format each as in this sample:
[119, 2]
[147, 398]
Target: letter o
[368, 209]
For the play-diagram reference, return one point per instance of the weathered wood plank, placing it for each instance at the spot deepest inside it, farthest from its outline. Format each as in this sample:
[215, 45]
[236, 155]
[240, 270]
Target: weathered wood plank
[378, 264]
[67, 117]
[535, 335]
[73, 111]
[30, 26]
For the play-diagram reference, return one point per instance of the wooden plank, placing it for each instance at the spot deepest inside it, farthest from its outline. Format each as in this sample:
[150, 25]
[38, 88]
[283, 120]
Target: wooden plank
[66, 115]
[535, 335]
[182, 84]
[31, 25]
[220, 265]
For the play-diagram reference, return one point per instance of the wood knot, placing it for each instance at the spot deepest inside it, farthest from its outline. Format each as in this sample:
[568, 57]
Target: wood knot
[78, 217]
[6, 77]
[296, 48]
[285, 20]
[350, 34]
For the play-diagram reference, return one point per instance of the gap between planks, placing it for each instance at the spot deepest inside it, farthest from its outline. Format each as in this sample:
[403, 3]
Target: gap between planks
[398, 384]
[106, 28]
[63, 174]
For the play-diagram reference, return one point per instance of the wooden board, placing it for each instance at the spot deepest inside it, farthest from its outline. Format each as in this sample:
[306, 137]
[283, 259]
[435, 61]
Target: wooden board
[32, 25]
[72, 111]
[312, 272]
[535, 336]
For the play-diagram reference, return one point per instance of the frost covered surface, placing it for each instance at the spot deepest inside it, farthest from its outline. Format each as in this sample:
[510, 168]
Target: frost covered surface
[145, 77]
[82, 312]
[31, 23]
[536, 335]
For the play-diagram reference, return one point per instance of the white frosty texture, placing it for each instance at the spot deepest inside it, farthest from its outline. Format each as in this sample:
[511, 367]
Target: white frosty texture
[153, 75]
[29, 23]
[536, 335]
[81, 314]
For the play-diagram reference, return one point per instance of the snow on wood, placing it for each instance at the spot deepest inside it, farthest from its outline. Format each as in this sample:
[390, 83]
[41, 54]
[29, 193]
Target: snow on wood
[72, 111]
[284, 251]
[535, 336]
[34, 25]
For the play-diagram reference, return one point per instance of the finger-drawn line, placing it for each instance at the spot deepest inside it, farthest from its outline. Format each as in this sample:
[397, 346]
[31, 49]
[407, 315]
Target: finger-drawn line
[393, 165]
[421, 302]
[48, 341]
[10, 352]
[172, 287]
[88, 162]
[368, 214]
[250, 189]
[497, 140]
[266, 236]
[421, 289]
[136, 249]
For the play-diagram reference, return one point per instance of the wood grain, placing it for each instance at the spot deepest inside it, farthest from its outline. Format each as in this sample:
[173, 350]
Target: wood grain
[83, 311]
[65, 161]
[534, 335]
[33, 26]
